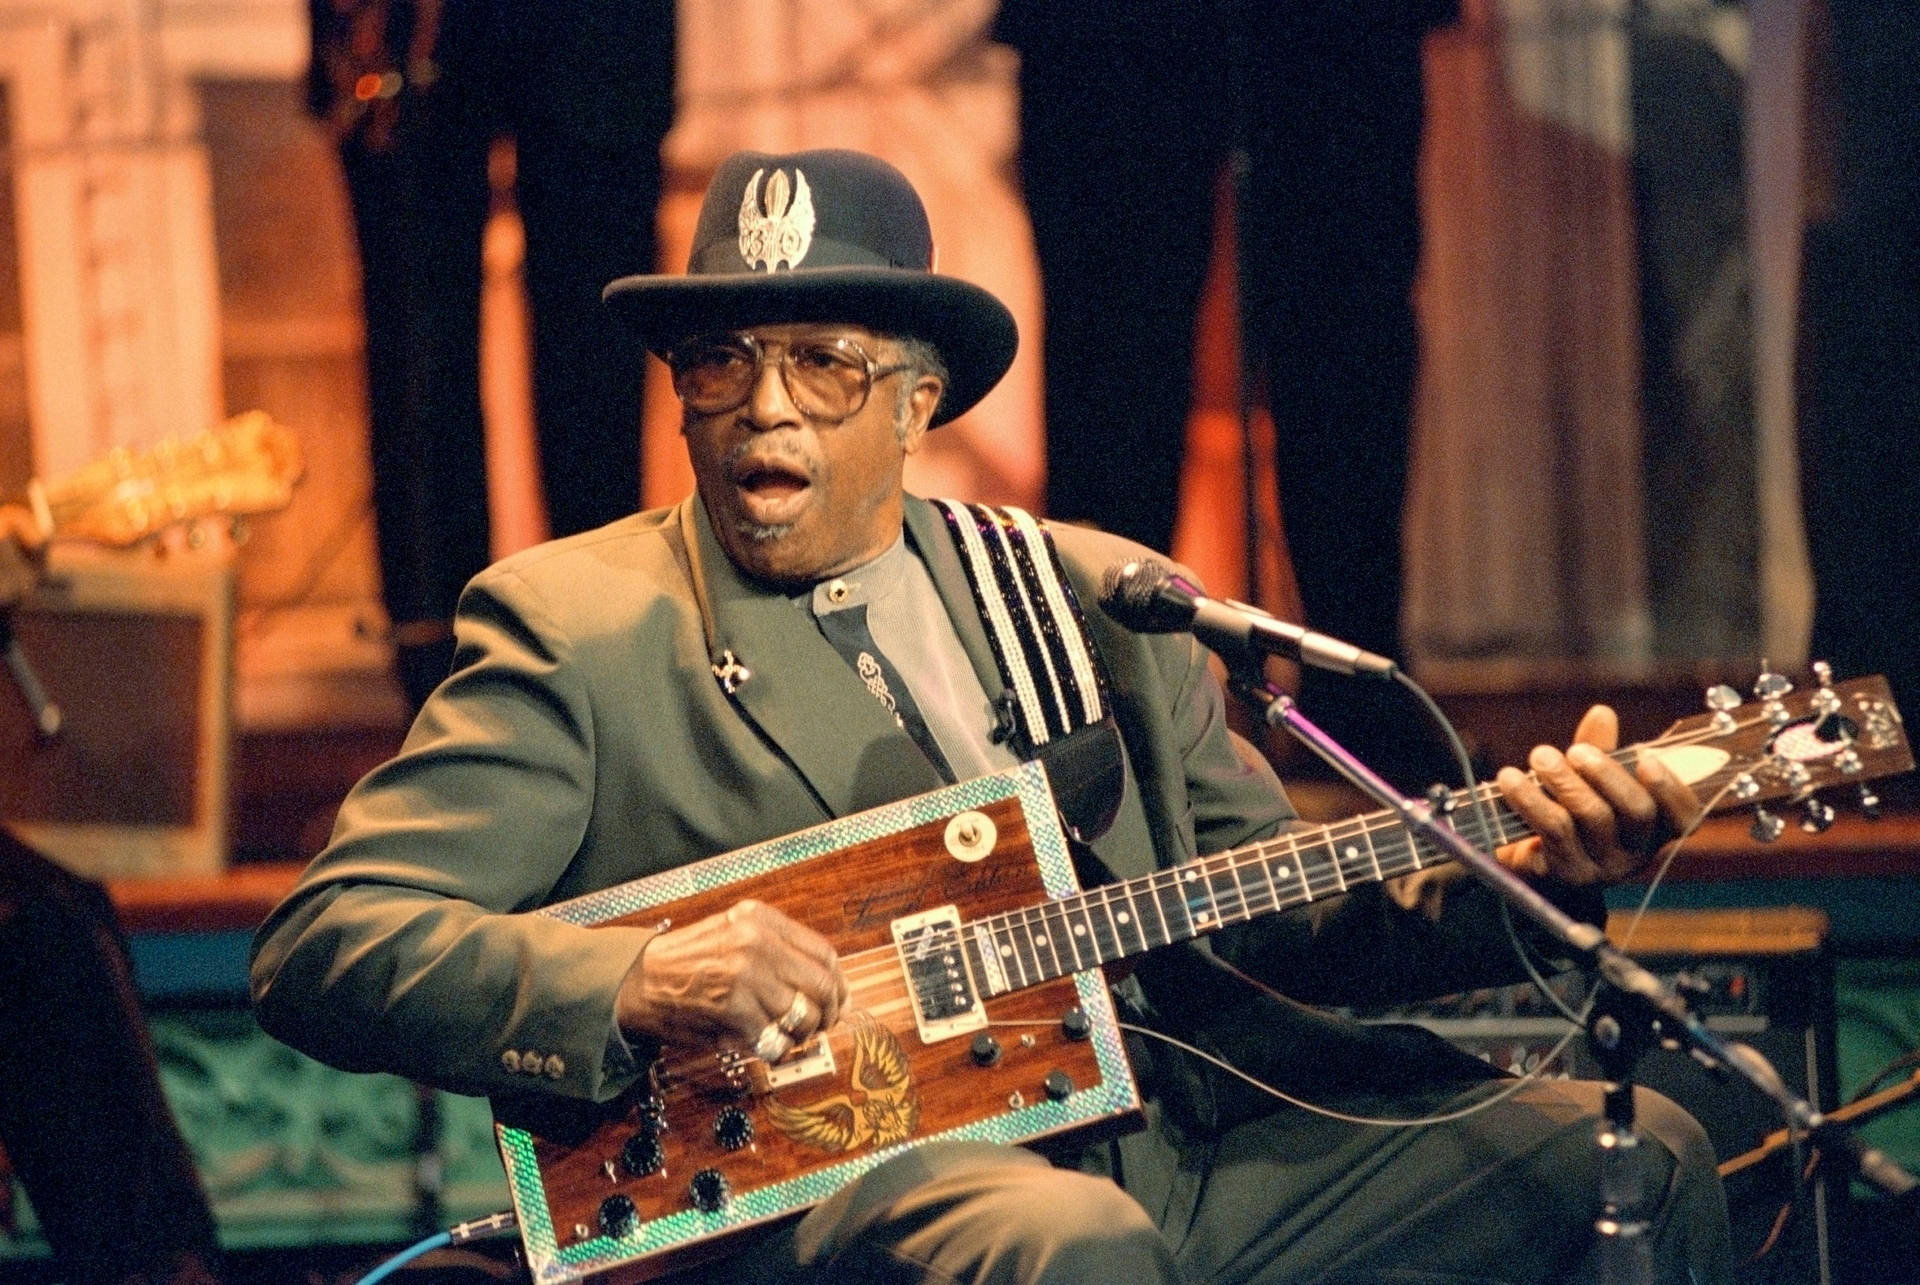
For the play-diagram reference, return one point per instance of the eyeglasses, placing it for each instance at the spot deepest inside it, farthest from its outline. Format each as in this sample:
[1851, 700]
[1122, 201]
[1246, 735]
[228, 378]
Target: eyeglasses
[827, 379]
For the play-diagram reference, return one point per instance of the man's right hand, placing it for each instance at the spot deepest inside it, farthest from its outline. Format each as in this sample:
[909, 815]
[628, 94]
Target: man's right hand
[731, 976]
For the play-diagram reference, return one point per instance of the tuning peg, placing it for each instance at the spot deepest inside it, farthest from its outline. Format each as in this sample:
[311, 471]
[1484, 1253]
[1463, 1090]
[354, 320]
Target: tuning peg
[1817, 816]
[1722, 700]
[1826, 700]
[1869, 802]
[1771, 688]
[1766, 826]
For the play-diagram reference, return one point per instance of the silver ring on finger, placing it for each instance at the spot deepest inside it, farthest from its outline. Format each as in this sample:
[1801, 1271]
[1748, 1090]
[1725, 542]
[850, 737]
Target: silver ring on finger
[772, 1044]
[798, 1014]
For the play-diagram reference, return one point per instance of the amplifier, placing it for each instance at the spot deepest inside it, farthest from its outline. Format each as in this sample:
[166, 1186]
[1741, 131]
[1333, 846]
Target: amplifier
[1758, 976]
[135, 651]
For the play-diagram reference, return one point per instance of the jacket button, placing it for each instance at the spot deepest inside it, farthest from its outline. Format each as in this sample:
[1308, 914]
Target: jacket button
[554, 1067]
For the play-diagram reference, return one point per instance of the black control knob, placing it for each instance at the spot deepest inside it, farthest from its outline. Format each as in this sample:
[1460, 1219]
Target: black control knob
[985, 1049]
[642, 1155]
[618, 1217]
[1075, 1024]
[1059, 1085]
[710, 1191]
[733, 1128]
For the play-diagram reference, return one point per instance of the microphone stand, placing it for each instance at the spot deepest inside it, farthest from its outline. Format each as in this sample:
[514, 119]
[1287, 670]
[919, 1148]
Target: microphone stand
[1634, 1009]
[40, 707]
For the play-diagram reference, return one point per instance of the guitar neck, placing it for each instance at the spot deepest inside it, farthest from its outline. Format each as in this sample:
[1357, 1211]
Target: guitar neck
[247, 465]
[1120, 920]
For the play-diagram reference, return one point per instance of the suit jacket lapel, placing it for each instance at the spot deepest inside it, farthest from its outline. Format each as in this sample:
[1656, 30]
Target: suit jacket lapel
[800, 694]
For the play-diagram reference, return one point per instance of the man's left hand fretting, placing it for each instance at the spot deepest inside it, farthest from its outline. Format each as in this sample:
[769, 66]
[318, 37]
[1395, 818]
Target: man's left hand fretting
[1593, 820]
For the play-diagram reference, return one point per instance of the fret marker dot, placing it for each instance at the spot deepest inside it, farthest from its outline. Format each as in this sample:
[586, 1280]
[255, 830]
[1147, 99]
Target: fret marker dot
[1041, 940]
[1079, 930]
[1283, 872]
[1124, 917]
[1352, 853]
[1006, 952]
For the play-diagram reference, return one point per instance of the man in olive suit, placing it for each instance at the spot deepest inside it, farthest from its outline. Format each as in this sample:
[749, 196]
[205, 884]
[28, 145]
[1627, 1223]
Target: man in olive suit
[672, 686]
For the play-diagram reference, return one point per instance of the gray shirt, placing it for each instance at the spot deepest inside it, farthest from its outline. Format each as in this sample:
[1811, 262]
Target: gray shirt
[909, 623]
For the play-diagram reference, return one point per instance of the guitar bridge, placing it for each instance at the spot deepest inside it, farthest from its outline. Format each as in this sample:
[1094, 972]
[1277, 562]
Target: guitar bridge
[945, 1000]
[810, 1061]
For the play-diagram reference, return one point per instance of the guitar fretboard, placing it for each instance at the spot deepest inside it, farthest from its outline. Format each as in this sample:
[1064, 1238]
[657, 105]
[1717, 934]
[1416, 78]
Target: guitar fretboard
[1035, 944]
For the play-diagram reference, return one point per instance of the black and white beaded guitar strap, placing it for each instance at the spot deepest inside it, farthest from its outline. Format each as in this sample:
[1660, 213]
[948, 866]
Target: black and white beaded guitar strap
[1056, 703]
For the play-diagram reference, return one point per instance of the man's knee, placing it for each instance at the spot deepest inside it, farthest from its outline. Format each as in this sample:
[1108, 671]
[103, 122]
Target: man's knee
[983, 1214]
[1039, 1224]
[1660, 1117]
[1694, 1205]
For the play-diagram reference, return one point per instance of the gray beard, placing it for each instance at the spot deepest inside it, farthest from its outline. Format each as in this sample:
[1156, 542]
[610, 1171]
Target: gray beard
[762, 533]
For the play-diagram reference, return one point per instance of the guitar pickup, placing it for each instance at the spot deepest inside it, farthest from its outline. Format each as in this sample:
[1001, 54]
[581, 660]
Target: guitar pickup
[934, 961]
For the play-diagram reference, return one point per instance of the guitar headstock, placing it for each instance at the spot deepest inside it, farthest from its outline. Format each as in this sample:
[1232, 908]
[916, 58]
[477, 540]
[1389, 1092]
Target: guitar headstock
[1788, 744]
[247, 465]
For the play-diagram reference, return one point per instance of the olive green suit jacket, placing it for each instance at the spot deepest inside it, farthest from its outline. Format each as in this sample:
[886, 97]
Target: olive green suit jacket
[585, 739]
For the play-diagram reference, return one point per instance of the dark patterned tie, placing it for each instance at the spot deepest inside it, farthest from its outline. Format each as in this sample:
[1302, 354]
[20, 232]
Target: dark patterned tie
[847, 630]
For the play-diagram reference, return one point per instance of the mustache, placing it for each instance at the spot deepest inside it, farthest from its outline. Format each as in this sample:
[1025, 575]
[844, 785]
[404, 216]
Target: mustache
[772, 449]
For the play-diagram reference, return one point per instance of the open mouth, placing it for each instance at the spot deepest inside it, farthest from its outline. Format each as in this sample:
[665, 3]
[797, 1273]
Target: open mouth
[772, 492]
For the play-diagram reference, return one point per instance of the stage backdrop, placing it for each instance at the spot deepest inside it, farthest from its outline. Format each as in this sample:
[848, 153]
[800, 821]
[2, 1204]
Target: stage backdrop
[175, 246]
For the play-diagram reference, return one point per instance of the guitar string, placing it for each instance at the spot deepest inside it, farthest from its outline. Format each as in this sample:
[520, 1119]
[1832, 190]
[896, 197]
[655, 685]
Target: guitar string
[880, 964]
[1224, 903]
[862, 963]
[886, 957]
[1235, 904]
[1527, 1077]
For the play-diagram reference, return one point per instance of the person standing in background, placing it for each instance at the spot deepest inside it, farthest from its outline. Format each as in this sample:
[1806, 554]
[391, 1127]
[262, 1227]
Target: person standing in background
[1128, 111]
[1859, 375]
[416, 92]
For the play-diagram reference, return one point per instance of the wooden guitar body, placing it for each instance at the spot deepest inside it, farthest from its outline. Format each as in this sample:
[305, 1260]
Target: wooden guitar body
[922, 1052]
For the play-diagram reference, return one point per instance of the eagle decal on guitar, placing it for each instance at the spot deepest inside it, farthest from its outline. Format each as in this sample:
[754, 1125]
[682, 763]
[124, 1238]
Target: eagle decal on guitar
[881, 1108]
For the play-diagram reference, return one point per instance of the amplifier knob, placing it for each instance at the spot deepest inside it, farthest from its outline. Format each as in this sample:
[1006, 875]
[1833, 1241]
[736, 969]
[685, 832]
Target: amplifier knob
[1075, 1025]
[642, 1155]
[733, 1128]
[710, 1191]
[618, 1217]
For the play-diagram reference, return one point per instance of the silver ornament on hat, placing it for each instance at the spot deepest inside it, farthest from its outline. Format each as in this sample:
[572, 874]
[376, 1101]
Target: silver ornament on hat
[782, 230]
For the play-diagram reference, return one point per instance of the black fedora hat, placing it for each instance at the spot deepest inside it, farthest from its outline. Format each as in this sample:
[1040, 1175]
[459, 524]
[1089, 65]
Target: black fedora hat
[822, 236]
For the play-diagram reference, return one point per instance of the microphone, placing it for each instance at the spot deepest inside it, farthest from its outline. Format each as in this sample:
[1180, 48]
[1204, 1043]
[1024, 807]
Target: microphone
[1151, 598]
